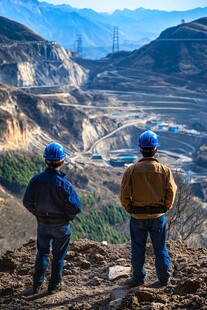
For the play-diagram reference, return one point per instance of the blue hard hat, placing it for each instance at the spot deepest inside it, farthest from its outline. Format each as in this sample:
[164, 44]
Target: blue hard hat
[54, 151]
[148, 139]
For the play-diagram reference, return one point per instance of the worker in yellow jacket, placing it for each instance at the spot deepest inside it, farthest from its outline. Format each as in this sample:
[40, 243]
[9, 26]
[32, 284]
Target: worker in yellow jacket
[147, 193]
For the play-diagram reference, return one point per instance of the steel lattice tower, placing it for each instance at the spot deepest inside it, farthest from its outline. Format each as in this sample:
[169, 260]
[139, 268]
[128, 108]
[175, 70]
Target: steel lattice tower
[79, 47]
[115, 47]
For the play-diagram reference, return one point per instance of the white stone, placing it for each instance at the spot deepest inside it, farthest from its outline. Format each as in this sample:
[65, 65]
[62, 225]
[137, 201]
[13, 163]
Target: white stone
[117, 271]
[104, 242]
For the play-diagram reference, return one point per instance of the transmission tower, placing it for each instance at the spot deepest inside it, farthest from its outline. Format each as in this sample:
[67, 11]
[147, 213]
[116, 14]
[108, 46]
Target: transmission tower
[115, 47]
[79, 49]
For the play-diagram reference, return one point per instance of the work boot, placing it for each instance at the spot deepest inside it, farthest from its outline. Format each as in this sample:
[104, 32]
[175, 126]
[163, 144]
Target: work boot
[133, 282]
[164, 282]
[54, 288]
[38, 287]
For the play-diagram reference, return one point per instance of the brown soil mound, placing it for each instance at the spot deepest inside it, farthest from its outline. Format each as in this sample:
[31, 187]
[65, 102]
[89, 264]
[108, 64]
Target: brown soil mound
[87, 284]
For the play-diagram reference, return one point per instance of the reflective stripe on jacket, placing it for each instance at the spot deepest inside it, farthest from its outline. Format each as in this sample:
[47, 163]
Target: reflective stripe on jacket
[49, 193]
[147, 183]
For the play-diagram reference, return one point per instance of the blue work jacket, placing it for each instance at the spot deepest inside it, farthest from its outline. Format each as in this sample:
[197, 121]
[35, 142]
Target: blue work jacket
[49, 193]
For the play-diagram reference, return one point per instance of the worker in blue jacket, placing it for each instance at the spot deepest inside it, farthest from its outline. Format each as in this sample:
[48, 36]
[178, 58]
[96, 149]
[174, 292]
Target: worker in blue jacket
[54, 202]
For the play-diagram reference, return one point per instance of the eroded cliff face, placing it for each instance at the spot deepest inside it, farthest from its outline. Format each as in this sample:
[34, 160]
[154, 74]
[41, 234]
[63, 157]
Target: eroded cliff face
[25, 74]
[30, 122]
[89, 134]
[13, 129]
[40, 63]
[17, 130]
[16, 134]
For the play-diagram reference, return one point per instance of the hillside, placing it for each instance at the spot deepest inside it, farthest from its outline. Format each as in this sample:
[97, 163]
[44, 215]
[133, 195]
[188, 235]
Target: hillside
[179, 52]
[11, 30]
[174, 62]
[28, 124]
[94, 277]
[29, 121]
[29, 60]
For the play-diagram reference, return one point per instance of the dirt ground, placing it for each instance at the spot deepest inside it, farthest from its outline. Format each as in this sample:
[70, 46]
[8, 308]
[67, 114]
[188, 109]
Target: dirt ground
[87, 284]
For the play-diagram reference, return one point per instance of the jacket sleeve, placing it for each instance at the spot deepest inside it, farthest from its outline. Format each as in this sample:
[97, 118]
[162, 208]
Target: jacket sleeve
[171, 189]
[126, 190]
[72, 202]
[29, 198]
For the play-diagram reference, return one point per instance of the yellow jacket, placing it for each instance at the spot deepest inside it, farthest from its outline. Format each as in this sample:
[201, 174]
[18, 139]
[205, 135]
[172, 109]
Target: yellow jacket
[147, 183]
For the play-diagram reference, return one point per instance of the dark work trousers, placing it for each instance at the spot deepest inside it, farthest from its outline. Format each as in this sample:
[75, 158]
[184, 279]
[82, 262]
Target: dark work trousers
[139, 230]
[57, 237]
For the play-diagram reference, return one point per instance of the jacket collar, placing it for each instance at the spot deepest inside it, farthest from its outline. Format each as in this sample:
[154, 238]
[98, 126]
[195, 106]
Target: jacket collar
[148, 159]
[53, 171]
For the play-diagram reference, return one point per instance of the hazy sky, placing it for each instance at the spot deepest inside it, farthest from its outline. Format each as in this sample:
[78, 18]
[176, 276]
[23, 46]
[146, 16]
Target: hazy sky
[111, 5]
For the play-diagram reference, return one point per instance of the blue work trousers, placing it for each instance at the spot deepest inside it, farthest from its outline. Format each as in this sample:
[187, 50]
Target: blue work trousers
[56, 236]
[139, 230]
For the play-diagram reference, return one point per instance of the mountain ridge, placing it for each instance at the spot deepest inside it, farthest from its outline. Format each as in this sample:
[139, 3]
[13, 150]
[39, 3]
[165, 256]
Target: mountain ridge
[96, 29]
[11, 30]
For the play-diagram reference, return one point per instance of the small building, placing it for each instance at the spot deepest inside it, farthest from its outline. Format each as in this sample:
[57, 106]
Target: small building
[122, 160]
[96, 156]
[173, 128]
[162, 125]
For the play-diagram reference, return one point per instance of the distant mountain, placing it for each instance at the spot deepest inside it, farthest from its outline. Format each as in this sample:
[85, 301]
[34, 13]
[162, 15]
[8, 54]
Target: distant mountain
[58, 23]
[65, 24]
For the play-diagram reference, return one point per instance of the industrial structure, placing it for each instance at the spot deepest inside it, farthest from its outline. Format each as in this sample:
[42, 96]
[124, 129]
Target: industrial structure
[115, 46]
[79, 47]
[122, 160]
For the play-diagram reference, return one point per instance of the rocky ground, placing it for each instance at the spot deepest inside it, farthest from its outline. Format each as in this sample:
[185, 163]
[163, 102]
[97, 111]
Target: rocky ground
[94, 278]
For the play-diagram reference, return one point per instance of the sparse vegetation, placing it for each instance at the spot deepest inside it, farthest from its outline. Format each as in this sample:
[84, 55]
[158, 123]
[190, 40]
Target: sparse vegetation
[101, 225]
[187, 219]
[88, 201]
[17, 169]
